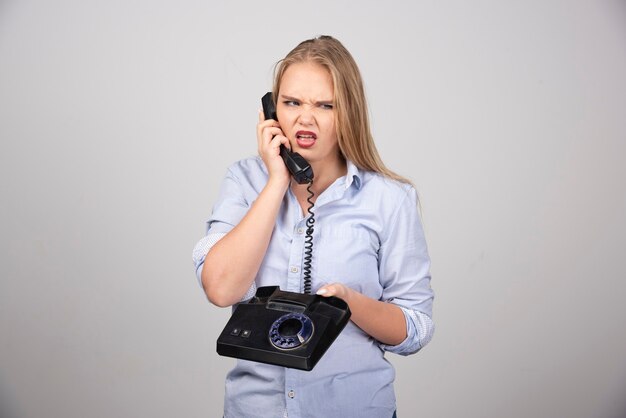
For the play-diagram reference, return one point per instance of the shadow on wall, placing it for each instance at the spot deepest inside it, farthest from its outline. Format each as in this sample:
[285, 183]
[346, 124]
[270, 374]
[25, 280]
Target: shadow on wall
[7, 409]
[620, 410]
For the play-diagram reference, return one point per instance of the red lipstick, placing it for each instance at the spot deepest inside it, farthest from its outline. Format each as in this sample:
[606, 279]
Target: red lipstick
[305, 139]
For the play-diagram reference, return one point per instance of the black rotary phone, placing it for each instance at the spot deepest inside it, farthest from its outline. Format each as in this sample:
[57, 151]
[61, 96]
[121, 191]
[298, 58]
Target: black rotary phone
[285, 328]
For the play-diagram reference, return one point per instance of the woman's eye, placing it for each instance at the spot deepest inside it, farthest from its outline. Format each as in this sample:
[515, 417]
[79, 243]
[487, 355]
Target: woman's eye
[291, 103]
[326, 106]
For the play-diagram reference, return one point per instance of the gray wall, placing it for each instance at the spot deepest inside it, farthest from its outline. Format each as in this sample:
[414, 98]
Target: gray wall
[118, 120]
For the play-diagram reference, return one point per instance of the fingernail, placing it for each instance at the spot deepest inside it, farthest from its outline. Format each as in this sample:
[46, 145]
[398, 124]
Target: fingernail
[322, 291]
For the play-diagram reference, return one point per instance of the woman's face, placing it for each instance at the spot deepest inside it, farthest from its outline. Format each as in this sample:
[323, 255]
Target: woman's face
[305, 111]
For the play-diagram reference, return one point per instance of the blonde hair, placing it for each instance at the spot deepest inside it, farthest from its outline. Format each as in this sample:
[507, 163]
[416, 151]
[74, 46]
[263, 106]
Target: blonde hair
[351, 115]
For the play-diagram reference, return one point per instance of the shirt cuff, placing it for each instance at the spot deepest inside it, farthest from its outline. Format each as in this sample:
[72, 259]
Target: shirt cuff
[419, 331]
[250, 293]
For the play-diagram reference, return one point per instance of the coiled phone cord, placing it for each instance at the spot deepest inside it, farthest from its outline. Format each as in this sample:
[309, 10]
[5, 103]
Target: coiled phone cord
[308, 241]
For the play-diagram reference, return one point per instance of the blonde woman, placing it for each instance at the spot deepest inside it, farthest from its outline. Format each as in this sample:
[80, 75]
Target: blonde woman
[369, 246]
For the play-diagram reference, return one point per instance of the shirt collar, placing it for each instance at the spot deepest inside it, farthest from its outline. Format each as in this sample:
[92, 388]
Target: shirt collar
[353, 175]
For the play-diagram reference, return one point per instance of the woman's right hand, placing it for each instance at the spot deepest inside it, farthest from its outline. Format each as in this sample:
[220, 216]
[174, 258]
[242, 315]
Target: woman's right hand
[270, 137]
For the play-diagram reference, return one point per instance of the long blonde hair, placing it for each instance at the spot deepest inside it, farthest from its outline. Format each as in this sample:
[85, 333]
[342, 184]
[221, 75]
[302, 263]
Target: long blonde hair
[351, 115]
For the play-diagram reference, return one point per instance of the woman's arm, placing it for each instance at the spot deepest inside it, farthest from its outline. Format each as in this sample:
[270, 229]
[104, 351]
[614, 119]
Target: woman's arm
[233, 262]
[383, 321]
[404, 274]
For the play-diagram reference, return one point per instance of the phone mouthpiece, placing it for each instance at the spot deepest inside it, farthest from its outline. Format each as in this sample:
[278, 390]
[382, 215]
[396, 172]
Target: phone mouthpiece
[299, 168]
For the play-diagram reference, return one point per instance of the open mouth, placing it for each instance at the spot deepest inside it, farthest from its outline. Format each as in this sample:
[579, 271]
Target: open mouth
[305, 139]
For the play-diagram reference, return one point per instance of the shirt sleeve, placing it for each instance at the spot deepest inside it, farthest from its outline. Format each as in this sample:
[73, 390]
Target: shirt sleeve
[202, 249]
[419, 331]
[230, 208]
[231, 205]
[404, 271]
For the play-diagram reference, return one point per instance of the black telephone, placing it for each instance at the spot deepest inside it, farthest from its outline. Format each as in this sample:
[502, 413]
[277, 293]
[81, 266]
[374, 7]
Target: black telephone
[286, 328]
[296, 164]
[283, 328]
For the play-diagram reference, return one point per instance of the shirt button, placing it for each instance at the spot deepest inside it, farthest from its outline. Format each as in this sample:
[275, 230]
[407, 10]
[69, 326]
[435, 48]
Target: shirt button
[294, 269]
[291, 394]
[300, 231]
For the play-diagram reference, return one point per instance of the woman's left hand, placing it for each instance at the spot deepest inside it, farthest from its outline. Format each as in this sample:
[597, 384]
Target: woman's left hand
[336, 289]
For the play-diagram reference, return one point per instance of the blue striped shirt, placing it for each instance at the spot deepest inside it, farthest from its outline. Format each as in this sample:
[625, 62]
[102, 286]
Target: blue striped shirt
[368, 235]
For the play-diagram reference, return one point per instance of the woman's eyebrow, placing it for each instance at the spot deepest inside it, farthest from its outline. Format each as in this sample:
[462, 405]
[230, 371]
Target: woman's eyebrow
[286, 97]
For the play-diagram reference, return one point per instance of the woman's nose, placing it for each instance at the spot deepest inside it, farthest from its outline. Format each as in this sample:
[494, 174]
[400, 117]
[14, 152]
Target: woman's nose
[306, 115]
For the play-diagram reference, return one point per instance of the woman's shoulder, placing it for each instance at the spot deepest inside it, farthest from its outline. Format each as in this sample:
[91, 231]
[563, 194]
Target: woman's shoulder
[384, 186]
[249, 174]
[248, 167]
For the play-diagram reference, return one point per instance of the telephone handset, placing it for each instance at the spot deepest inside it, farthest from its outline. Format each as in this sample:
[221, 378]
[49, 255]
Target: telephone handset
[302, 172]
[299, 168]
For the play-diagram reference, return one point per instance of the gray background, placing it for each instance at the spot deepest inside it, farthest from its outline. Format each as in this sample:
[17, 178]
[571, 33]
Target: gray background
[119, 118]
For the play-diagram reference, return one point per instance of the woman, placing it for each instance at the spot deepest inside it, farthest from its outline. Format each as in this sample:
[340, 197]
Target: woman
[369, 246]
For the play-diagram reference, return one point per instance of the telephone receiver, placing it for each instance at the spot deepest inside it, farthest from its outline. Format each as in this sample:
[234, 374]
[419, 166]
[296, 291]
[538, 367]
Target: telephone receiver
[299, 168]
